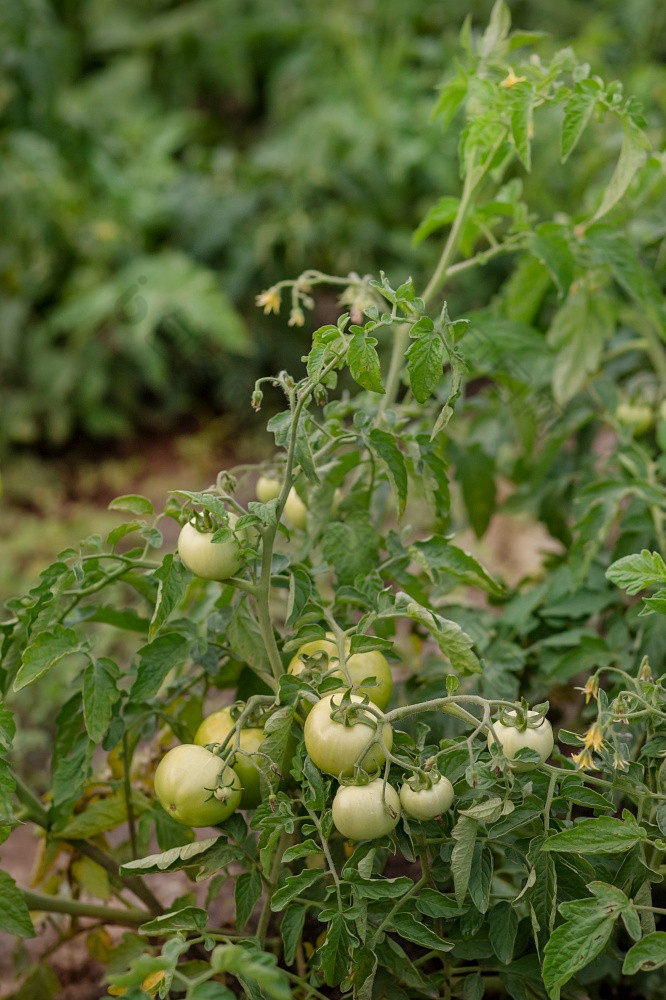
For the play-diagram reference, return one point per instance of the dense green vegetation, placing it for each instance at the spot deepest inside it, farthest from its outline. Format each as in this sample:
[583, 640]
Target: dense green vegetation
[164, 161]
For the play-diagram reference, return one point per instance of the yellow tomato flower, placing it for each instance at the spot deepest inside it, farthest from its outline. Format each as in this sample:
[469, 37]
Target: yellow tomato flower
[510, 80]
[583, 761]
[270, 300]
[594, 738]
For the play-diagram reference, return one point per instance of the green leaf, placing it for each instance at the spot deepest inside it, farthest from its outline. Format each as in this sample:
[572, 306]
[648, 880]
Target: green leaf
[577, 112]
[333, 956]
[480, 877]
[351, 547]
[411, 929]
[646, 955]
[579, 332]
[291, 929]
[294, 886]
[363, 361]
[244, 637]
[100, 694]
[247, 891]
[300, 589]
[135, 503]
[436, 904]
[385, 447]
[575, 943]
[503, 927]
[636, 572]
[381, 888]
[447, 559]
[173, 578]
[189, 919]
[452, 93]
[156, 660]
[464, 835]
[425, 357]
[476, 474]
[184, 856]
[633, 155]
[303, 850]
[598, 835]
[453, 642]
[522, 96]
[48, 649]
[550, 244]
[14, 914]
[101, 816]
[445, 210]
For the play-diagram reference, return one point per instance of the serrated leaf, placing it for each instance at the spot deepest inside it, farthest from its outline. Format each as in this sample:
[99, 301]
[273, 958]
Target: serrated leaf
[334, 955]
[291, 929]
[633, 155]
[101, 816]
[189, 919]
[446, 558]
[636, 572]
[579, 332]
[100, 694]
[385, 447]
[503, 927]
[14, 914]
[577, 112]
[294, 886]
[133, 502]
[156, 660]
[47, 649]
[480, 877]
[449, 636]
[363, 362]
[411, 929]
[575, 943]
[247, 891]
[646, 955]
[425, 357]
[173, 578]
[464, 835]
[550, 244]
[183, 856]
[598, 835]
[445, 210]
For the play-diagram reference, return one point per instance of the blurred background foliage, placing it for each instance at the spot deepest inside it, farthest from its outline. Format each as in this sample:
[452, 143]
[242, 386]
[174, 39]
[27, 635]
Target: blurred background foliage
[165, 161]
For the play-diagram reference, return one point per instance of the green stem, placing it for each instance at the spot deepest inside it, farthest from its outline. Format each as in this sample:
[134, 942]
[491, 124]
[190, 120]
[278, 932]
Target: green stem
[127, 792]
[110, 915]
[265, 916]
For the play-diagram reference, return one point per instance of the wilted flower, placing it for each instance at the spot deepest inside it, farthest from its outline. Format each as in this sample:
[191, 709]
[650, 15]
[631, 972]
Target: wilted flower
[270, 300]
[296, 317]
[583, 761]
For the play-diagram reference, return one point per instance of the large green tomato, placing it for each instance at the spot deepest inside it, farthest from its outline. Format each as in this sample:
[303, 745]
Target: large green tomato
[360, 667]
[186, 785]
[295, 511]
[427, 803]
[267, 489]
[512, 740]
[214, 729]
[207, 559]
[360, 812]
[334, 748]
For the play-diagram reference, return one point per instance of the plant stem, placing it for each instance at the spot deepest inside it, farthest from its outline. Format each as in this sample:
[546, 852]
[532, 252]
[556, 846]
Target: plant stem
[127, 791]
[110, 915]
[265, 915]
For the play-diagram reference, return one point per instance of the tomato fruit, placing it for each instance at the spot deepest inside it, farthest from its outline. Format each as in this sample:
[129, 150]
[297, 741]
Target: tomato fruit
[334, 747]
[361, 813]
[512, 740]
[360, 667]
[638, 416]
[427, 803]
[207, 559]
[295, 511]
[214, 729]
[186, 783]
[267, 488]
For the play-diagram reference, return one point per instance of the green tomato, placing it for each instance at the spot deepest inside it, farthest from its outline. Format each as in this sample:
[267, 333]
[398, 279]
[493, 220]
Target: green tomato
[186, 786]
[512, 740]
[295, 511]
[427, 803]
[334, 747]
[267, 489]
[360, 812]
[214, 729]
[638, 416]
[360, 666]
[207, 559]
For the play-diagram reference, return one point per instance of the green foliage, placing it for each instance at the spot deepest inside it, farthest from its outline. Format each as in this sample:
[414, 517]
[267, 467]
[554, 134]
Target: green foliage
[542, 877]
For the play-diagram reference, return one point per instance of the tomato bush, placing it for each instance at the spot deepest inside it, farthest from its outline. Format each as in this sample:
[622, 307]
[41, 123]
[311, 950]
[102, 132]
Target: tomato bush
[516, 865]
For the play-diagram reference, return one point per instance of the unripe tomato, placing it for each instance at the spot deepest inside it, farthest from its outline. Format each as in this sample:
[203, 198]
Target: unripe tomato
[214, 729]
[360, 666]
[207, 559]
[427, 803]
[186, 783]
[360, 812]
[512, 740]
[267, 488]
[334, 748]
[295, 511]
[638, 416]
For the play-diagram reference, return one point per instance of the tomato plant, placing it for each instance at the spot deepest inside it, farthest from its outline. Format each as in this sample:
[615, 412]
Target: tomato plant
[515, 865]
